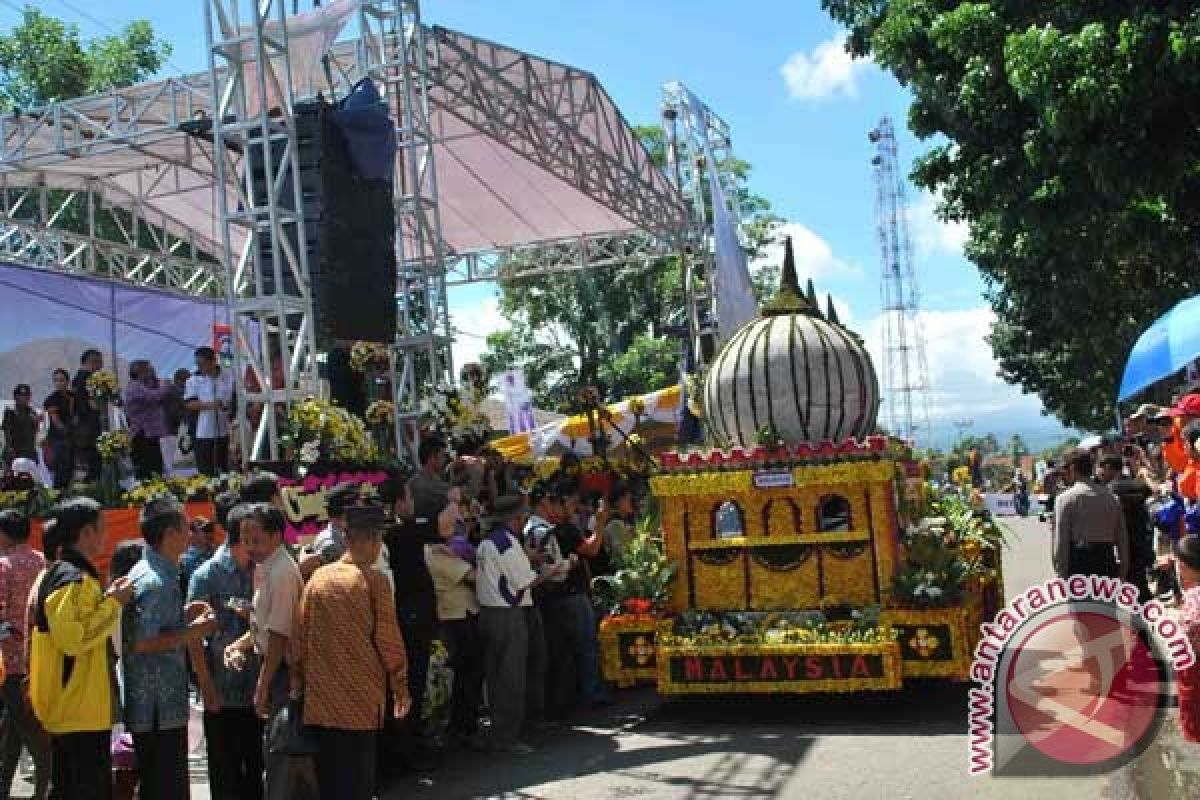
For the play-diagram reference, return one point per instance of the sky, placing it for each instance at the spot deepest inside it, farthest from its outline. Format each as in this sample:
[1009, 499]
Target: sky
[799, 110]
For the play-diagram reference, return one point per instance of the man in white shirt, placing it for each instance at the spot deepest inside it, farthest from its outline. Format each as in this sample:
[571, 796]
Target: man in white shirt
[505, 582]
[277, 589]
[209, 394]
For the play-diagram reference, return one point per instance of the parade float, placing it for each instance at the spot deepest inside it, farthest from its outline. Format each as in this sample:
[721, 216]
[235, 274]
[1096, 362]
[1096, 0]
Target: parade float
[801, 553]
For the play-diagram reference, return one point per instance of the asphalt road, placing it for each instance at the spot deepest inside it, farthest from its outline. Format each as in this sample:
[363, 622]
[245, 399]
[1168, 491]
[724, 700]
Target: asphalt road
[910, 744]
[892, 746]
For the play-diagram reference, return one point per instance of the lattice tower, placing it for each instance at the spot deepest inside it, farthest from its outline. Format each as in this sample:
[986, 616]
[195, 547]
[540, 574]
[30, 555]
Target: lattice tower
[905, 369]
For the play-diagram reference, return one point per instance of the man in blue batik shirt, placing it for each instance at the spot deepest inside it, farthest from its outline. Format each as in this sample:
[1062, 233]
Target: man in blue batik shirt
[226, 582]
[156, 631]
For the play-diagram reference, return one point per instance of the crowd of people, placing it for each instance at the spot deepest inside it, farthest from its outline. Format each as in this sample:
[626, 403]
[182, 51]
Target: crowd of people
[310, 662]
[192, 411]
[1129, 507]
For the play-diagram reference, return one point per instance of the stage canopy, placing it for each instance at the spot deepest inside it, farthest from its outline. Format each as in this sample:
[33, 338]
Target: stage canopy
[527, 151]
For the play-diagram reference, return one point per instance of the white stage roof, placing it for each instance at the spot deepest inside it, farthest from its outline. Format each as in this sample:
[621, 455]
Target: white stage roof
[526, 150]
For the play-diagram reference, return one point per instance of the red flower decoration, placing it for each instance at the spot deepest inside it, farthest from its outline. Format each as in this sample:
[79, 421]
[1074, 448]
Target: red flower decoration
[637, 605]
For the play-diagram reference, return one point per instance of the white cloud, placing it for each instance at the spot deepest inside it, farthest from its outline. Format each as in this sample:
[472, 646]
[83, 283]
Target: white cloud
[474, 322]
[823, 73]
[963, 378]
[932, 236]
[814, 256]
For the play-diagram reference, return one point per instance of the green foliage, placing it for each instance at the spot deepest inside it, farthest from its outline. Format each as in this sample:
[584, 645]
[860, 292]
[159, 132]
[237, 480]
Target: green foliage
[643, 573]
[945, 552]
[43, 60]
[1066, 135]
[649, 361]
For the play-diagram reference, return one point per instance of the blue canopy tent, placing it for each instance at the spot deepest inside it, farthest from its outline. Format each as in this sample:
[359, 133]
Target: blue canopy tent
[1167, 346]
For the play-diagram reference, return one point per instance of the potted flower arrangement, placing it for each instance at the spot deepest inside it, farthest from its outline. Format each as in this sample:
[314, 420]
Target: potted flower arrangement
[114, 447]
[366, 357]
[456, 414]
[635, 595]
[320, 432]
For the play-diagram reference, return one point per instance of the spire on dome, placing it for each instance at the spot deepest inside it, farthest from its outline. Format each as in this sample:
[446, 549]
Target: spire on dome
[789, 299]
[830, 311]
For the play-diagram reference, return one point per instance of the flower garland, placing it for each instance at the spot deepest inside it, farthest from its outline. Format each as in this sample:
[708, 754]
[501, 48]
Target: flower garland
[31, 501]
[365, 356]
[102, 385]
[693, 629]
[709, 481]
[113, 445]
[186, 490]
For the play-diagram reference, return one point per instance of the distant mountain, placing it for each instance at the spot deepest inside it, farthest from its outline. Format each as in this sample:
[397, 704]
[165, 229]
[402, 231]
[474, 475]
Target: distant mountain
[1039, 432]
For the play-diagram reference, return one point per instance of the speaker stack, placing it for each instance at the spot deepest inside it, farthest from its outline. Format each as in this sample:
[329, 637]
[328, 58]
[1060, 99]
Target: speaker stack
[349, 224]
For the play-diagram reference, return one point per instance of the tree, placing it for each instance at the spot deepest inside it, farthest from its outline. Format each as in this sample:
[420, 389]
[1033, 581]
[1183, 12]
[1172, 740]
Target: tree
[43, 60]
[607, 327]
[1069, 141]
[1016, 448]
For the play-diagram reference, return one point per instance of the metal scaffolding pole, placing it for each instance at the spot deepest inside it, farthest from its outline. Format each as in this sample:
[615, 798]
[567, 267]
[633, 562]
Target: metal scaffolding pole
[394, 50]
[691, 129]
[268, 288]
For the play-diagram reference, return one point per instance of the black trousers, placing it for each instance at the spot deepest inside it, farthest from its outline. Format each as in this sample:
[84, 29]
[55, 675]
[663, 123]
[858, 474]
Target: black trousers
[346, 764]
[162, 764]
[212, 456]
[466, 659]
[82, 766]
[146, 456]
[535, 665]
[63, 466]
[235, 757]
[21, 729]
[406, 736]
[1093, 559]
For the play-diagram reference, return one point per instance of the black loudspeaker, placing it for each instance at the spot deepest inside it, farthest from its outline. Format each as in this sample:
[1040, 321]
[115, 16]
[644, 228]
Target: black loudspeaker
[345, 383]
[349, 224]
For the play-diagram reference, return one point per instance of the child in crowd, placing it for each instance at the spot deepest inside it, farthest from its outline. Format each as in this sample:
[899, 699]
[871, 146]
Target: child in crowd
[1187, 562]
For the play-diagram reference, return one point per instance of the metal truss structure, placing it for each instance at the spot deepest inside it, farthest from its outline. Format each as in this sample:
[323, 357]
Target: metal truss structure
[34, 232]
[268, 288]
[554, 257]
[394, 49]
[905, 370]
[170, 164]
[558, 118]
[692, 131]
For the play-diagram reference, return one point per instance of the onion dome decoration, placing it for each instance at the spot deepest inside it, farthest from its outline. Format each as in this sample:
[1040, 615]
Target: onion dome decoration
[792, 375]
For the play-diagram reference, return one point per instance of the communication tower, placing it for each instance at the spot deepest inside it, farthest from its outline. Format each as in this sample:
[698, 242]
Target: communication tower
[905, 370]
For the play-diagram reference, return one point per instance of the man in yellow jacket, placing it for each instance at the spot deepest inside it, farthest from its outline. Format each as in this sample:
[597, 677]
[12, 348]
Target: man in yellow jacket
[72, 685]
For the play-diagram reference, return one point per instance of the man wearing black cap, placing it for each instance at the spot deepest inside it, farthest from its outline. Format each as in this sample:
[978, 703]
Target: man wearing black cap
[345, 618]
[416, 608]
[20, 427]
[330, 544]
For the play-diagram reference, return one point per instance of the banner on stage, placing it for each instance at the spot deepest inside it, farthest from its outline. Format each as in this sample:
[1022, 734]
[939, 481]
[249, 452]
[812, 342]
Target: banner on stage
[518, 402]
[1001, 504]
[222, 342]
